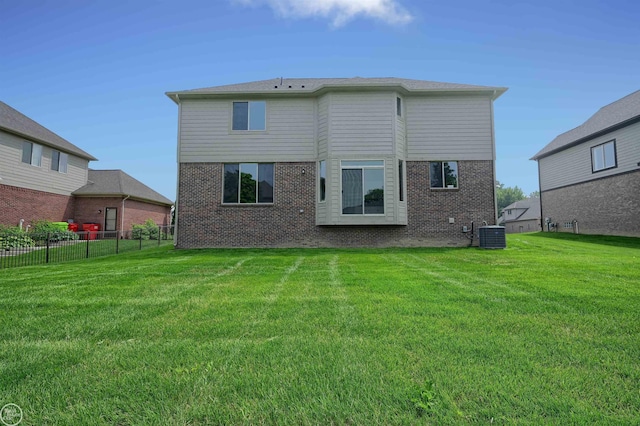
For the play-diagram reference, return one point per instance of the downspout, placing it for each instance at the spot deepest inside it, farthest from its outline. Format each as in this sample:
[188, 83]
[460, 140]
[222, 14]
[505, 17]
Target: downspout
[540, 197]
[493, 154]
[122, 216]
[176, 202]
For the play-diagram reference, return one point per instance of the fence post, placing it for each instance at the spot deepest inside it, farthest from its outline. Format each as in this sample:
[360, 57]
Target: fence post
[159, 235]
[86, 235]
[46, 259]
[118, 242]
[140, 241]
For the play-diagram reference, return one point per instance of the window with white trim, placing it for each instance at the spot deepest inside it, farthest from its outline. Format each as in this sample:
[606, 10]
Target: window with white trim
[399, 107]
[248, 183]
[443, 174]
[362, 187]
[249, 115]
[59, 161]
[322, 193]
[603, 156]
[32, 153]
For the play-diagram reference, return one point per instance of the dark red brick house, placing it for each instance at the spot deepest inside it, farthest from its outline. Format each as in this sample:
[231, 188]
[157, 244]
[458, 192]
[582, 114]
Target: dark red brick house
[334, 162]
[43, 176]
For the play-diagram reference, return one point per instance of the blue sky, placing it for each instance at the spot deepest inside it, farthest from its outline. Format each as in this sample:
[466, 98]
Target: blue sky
[95, 72]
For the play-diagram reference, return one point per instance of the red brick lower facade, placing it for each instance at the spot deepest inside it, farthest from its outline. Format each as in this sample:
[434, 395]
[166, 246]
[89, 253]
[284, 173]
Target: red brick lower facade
[30, 205]
[607, 206]
[203, 221]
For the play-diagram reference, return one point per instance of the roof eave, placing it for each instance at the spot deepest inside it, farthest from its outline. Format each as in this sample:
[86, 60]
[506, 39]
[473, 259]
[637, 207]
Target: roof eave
[496, 92]
[625, 123]
[86, 156]
[130, 197]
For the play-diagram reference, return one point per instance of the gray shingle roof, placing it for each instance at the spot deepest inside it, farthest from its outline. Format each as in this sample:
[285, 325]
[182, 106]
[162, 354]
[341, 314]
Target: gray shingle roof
[15, 122]
[118, 183]
[606, 119]
[312, 85]
[532, 206]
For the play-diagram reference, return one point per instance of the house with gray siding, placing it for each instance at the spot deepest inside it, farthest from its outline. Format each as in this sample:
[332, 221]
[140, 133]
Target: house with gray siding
[590, 175]
[45, 177]
[521, 216]
[334, 162]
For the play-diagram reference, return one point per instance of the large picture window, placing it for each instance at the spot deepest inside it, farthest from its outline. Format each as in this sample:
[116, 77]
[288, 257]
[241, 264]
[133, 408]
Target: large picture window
[363, 187]
[32, 153]
[603, 156]
[59, 161]
[248, 183]
[249, 115]
[443, 174]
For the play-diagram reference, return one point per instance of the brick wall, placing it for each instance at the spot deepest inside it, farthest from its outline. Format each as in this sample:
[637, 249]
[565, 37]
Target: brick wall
[31, 205]
[93, 209]
[608, 206]
[204, 222]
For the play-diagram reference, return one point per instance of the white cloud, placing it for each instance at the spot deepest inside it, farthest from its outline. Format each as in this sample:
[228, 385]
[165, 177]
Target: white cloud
[339, 11]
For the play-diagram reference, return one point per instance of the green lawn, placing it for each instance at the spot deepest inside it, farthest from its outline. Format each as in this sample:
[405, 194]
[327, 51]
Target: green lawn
[544, 332]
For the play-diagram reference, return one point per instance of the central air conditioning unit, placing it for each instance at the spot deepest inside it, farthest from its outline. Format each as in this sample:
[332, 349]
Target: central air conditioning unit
[492, 237]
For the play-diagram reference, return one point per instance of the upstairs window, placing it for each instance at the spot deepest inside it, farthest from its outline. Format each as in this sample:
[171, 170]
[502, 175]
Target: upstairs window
[59, 161]
[32, 153]
[443, 174]
[249, 115]
[603, 156]
[363, 187]
[399, 107]
[248, 183]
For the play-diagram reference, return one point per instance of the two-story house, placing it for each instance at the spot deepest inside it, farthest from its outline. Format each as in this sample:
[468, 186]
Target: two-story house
[521, 216]
[335, 162]
[45, 177]
[590, 175]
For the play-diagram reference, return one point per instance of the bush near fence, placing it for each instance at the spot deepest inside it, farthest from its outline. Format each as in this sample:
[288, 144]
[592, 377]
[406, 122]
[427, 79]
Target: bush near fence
[20, 248]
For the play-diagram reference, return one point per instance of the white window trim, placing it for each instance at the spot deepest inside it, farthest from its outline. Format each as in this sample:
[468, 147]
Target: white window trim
[600, 147]
[33, 150]
[325, 181]
[249, 116]
[239, 163]
[445, 188]
[384, 170]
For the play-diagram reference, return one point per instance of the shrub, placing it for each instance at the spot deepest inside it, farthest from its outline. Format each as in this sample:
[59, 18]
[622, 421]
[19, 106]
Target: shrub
[147, 231]
[42, 229]
[14, 237]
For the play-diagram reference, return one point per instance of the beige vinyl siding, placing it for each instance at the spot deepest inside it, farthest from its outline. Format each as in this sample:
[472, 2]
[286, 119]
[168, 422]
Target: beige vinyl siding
[401, 144]
[206, 135]
[16, 173]
[452, 127]
[361, 123]
[323, 126]
[573, 165]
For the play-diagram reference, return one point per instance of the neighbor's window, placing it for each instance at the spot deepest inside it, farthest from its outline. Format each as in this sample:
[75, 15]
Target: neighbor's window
[59, 161]
[32, 153]
[249, 115]
[323, 180]
[363, 187]
[603, 156]
[248, 183]
[399, 107]
[444, 174]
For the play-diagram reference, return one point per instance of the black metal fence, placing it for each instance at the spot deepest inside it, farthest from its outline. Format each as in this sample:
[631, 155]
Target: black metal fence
[78, 245]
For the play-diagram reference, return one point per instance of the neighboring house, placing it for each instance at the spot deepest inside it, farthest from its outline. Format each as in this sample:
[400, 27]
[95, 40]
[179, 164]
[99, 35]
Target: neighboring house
[118, 201]
[334, 162]
[43, 176]
[521, 216]
[590, 176]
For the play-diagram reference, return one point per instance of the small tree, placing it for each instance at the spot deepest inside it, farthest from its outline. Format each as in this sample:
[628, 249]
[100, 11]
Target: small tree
[507, 195]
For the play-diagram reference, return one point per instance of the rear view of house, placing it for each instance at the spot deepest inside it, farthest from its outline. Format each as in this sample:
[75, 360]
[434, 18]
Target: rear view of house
[590, 176]
[335, 162]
